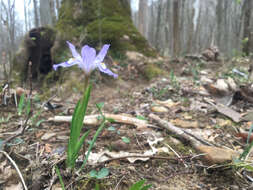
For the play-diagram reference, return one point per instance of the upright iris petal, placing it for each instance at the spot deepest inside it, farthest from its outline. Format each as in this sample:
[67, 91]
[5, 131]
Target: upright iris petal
[88, 55]
[87, 61]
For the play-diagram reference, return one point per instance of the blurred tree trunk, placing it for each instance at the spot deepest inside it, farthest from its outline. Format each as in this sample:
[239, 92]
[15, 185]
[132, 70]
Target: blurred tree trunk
[176, 32]
[142, 16]
[57, 2]
[36, 15]
[190, 30]
[25, 14]
[52, 11]
[45, 16]
[158, 25]
[246, 28]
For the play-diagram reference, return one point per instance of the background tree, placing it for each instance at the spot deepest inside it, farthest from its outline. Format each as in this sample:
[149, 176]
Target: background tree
[78, 23]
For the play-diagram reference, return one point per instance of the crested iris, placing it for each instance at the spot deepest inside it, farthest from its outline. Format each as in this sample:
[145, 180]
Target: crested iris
[88, 60]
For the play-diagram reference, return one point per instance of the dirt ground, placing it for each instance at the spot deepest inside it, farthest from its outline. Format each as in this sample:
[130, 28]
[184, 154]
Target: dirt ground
[175, 164]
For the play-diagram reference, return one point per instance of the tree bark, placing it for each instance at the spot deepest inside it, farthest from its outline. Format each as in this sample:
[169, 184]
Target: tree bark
[246, 28]
[176, 32]
[36, 16]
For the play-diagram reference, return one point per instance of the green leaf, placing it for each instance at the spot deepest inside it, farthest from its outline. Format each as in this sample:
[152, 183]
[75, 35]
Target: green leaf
[100, 105]
[125, 140]
[93, 173]
[21, 104]
[60, 177]
[111, 128]
[76, 127]
[39, 122]
[103, 173]
[139, 185]
[141, 117]
[100, 174]
[246, 151]
[97, 186]
[110, 120]
[78, 146]
[28, 107]
[93, 142]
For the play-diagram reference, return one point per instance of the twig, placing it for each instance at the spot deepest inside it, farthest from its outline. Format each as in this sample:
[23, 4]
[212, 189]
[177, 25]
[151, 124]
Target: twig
[30, 83]
[195, 141]
[116, 187]
[21, 132]
[16, 167]
[140, 156]
[42, 105]
[176, 154]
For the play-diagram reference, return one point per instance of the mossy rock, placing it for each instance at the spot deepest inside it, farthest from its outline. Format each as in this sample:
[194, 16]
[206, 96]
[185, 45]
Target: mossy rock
[151, 71]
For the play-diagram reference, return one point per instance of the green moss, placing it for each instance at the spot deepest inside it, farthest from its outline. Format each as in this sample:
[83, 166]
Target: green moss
[151, 71]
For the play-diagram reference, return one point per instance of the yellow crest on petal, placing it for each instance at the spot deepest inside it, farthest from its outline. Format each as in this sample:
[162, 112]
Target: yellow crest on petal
[71, 60]
[103, 65]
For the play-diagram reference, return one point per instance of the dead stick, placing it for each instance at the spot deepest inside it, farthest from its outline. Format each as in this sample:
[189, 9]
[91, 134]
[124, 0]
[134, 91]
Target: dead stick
[195, 141]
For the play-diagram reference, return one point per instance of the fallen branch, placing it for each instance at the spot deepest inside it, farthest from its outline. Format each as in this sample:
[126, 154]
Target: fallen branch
[213, 155]
[95, 121]
[195, 141]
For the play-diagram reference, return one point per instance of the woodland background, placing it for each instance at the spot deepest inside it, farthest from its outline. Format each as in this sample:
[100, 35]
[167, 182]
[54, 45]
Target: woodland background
[173, 27]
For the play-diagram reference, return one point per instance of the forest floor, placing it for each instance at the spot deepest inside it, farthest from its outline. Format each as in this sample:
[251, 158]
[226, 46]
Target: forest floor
[191, 124]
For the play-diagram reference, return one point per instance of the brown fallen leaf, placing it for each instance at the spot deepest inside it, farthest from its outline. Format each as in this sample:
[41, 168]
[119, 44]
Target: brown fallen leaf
[235, 116]
[48, 148]
[215, 155]
[244, 137]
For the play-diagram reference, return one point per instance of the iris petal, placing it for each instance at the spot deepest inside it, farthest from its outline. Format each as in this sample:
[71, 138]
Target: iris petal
[68, 63]
[101, 55]
[88, 55]
[105, 70]
[73, 50]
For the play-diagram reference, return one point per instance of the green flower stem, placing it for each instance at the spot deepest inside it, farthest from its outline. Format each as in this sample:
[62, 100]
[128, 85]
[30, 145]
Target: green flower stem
[93, 142]
[86, 82]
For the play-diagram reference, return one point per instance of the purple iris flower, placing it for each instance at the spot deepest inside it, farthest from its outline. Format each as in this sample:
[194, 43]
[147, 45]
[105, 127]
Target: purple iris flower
[88, 61]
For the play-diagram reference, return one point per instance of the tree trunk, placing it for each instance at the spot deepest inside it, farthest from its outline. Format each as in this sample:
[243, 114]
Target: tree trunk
[52, 11]
[45, 16]
[246, 28]
[176, 32]
[36, 16]
[158, 25]
[25, 14]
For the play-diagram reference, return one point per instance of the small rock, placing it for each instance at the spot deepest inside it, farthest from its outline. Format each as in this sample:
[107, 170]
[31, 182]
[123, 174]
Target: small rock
[221, 84]
[234, 187]
[63, 138]
[175, 141]
[119, 145]
[126, 37]
[134, 56]
[47, 136]
[204, 79]
[159, 109]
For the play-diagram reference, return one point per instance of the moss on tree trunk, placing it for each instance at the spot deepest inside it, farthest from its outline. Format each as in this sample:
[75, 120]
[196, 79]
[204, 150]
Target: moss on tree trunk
[99, 21]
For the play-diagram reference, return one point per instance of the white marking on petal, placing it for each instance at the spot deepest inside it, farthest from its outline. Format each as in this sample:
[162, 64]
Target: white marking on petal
[103, 65]
[71, 60]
